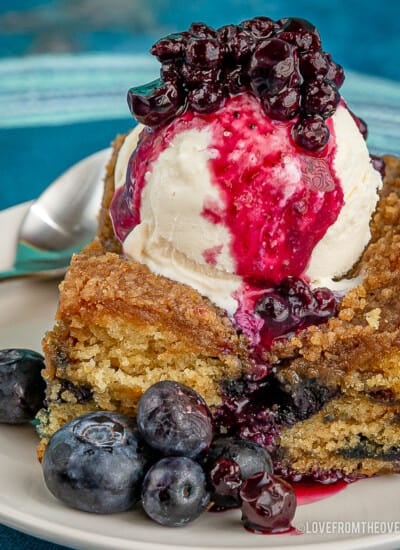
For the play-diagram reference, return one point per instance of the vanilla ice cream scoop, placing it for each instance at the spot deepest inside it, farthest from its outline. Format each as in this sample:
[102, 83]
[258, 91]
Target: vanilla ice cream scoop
[227, 200]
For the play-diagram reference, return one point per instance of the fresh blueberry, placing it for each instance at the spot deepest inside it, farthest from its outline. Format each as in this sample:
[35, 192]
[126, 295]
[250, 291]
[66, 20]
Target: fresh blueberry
[174, 419]
[174, 491]
[22, 388]
[96, 463]
[268, 503]
[224, 478]
[249, 456]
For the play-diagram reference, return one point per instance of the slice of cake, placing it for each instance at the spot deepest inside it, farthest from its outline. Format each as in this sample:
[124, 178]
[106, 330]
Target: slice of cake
[246, 248]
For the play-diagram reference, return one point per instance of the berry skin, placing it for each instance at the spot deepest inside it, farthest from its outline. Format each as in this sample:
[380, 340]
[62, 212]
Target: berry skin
[156, 103]
[234, 80]
[311, 133]
[174, 491]
[203, 52]
[335, 71]
[379, 164]
[292, 305]
[260, 27]
[195, 77]
[96, 463]
[169, 71]
[283, 106]
[320, 98]
[206, 99]
[313, 65]
[170, 47]
[249, 456]
[175, 420]
[268, 504]
[299, 32]
[201, 30]
[229, 461]
[225, 480]
[273, 66]
[22, 388]
[237, 42]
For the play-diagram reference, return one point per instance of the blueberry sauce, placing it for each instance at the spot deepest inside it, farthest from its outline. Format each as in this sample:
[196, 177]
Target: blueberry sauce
[308, 492]
[281, 62]
[265, 91]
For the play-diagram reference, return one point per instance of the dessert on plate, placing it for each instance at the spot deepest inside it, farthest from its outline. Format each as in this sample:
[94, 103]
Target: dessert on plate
[248, 246]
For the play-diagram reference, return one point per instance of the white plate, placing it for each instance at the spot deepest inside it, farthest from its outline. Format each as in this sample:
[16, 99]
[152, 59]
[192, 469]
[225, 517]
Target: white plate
[364, 515]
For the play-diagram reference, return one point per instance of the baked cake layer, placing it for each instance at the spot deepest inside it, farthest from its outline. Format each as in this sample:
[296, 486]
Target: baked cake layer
[333, 392]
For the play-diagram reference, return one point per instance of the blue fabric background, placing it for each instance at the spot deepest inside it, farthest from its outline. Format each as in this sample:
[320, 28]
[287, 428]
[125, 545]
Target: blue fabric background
[362, 36]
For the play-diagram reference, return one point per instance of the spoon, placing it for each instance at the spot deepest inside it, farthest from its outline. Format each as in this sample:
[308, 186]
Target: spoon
[61, 221]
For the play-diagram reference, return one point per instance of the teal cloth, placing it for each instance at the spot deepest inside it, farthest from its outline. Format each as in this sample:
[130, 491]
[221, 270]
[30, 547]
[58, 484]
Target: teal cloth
[55, 110]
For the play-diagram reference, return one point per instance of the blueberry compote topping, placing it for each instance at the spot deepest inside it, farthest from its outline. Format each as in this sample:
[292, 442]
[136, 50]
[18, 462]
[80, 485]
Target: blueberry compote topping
[293, 305]
[281, 62]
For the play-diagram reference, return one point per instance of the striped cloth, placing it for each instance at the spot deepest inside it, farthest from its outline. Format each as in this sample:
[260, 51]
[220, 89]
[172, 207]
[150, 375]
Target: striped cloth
[55, 90]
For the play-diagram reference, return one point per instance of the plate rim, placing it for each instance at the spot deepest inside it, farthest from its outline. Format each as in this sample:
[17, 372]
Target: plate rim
[47, 530]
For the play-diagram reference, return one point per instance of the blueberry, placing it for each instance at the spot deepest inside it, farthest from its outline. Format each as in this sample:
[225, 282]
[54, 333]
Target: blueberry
[225, 480]
[170, 47]
[379, 164]
[260, 27]
[170, 71]
[96, 463]
[174, 491]
[268, 503]
[299, 32]
[201, 30]
[313, 65]
[320, 98]
[335, 71]
[203, 52]
[311, 133]
[156, 103]
[195, 76]
[237, 42]
[282, 106]
[273, 67]
[228, 462]
[174, 419]
[206, 99]
[273, 307]
[234, 80]
[22, 388]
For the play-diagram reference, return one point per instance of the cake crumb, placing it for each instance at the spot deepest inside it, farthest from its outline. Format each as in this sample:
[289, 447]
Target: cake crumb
[373, 317]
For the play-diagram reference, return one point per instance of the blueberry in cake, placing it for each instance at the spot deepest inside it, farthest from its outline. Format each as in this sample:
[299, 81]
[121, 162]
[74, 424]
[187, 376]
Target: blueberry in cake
[248, 247]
